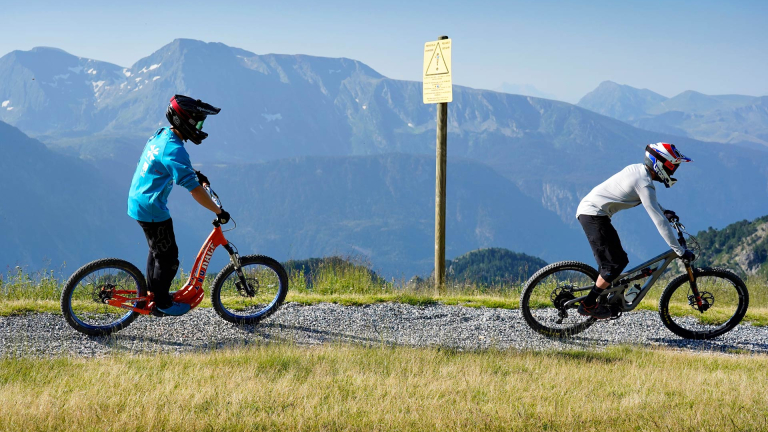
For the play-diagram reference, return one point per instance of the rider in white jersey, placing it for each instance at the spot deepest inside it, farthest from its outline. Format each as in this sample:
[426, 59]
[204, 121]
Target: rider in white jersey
[628, 188]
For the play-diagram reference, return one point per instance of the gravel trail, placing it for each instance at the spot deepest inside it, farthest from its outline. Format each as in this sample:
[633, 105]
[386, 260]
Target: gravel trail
[390, 323]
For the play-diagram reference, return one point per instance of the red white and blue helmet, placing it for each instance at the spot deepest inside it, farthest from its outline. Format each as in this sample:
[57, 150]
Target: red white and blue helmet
[664, 159]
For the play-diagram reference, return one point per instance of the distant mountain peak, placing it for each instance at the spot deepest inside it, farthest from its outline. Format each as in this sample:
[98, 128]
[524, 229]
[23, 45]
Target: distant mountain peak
[609, 83]
[620, 101]
[50, 49]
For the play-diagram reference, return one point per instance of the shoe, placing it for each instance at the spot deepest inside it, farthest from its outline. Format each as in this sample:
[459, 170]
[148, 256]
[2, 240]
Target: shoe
[175, 309]
[596, 311]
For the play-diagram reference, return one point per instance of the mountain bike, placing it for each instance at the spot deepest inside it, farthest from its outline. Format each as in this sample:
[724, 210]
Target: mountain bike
[702, 303]
[106, 295]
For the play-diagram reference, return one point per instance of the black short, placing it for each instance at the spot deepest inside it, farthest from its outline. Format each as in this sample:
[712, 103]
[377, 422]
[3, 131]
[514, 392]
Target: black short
[162, 261]
[606, 245]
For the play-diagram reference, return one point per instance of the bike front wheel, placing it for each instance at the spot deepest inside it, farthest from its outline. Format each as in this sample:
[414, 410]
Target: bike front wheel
[252, 296]
[545, 293]
[724, 302]
[85, 295]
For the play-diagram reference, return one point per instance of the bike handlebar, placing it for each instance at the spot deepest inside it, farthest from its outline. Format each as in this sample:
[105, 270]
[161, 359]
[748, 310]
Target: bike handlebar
[217, 201]
[680, 228]
[213, 195]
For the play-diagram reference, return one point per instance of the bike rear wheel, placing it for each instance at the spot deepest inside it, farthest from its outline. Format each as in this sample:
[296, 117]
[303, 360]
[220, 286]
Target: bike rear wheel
[265, 290]
[83, 299]
[724, 303]
[551, 287]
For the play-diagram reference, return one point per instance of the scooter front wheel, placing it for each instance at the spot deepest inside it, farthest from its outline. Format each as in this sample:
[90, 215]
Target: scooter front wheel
[252, 296]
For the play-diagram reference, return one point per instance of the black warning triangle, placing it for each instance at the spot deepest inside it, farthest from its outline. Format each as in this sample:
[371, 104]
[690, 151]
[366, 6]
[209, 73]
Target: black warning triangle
[437, 64]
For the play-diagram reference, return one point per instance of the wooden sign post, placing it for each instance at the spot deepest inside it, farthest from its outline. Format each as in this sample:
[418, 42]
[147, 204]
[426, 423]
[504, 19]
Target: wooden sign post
[438, 88]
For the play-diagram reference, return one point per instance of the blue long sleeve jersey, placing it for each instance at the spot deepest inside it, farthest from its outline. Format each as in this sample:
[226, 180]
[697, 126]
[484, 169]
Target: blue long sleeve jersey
[164, 161]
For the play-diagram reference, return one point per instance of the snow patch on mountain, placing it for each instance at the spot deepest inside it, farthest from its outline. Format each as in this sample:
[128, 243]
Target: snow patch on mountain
[153, 67]
[5, 103]
[155, 78]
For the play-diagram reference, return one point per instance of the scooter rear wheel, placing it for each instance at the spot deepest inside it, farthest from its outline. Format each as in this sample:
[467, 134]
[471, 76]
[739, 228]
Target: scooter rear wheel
[85, 295]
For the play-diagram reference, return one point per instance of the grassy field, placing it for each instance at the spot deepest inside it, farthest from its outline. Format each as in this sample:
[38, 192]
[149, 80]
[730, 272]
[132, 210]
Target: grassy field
[346, 284]
[338, 387]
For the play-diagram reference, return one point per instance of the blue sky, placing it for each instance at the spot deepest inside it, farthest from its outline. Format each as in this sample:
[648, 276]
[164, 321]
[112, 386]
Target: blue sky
[562, 48]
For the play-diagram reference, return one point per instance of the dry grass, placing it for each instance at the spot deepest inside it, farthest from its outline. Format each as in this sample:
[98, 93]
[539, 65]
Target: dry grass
[287, 388]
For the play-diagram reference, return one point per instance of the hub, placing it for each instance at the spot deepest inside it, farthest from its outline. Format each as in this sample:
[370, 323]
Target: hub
[103, 293]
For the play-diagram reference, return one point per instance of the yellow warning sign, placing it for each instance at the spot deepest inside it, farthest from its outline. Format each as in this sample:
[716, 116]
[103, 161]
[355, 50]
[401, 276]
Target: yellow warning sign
[438, 87]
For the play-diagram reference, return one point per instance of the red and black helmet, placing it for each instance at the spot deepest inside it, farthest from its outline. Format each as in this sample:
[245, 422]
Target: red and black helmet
[187, 116]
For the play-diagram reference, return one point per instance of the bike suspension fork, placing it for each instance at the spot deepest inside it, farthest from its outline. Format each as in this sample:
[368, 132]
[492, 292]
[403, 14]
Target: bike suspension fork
[234, 257]
[694, 286]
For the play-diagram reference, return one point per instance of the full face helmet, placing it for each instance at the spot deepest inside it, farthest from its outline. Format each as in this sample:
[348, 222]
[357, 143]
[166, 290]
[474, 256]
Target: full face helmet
[664, 159]
[187, 115]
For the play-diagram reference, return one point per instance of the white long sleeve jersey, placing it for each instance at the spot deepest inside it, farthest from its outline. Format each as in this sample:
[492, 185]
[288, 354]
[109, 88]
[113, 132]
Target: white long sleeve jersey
[629, 188]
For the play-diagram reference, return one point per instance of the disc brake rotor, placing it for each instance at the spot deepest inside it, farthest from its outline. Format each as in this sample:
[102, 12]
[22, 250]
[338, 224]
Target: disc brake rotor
[250, 290]
[707, 300]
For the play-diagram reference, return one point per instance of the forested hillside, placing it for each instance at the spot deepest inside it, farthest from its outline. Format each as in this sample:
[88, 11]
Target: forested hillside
[741, 246]
[493, 266]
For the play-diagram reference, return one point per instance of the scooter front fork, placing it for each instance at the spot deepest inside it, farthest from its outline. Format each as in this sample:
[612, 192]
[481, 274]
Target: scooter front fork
[242, 283]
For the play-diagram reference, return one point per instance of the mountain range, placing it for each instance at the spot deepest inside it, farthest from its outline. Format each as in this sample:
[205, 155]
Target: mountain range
[320, 155]
[729, 119]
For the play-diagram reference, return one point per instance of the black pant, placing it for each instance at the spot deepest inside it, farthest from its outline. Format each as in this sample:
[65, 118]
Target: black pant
[606, 246]
[162, 261]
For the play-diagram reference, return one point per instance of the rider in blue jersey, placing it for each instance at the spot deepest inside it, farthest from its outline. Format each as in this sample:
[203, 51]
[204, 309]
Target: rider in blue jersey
[164, 162]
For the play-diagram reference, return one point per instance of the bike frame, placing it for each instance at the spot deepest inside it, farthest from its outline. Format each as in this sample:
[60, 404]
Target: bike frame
[192, 293]
[623, 281]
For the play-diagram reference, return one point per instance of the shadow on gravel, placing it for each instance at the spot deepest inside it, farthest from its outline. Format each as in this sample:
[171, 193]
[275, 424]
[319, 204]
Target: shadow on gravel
[250, 335]
[321, 336]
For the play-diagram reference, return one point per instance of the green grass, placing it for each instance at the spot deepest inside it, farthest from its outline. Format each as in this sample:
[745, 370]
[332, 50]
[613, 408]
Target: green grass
[349, 388]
